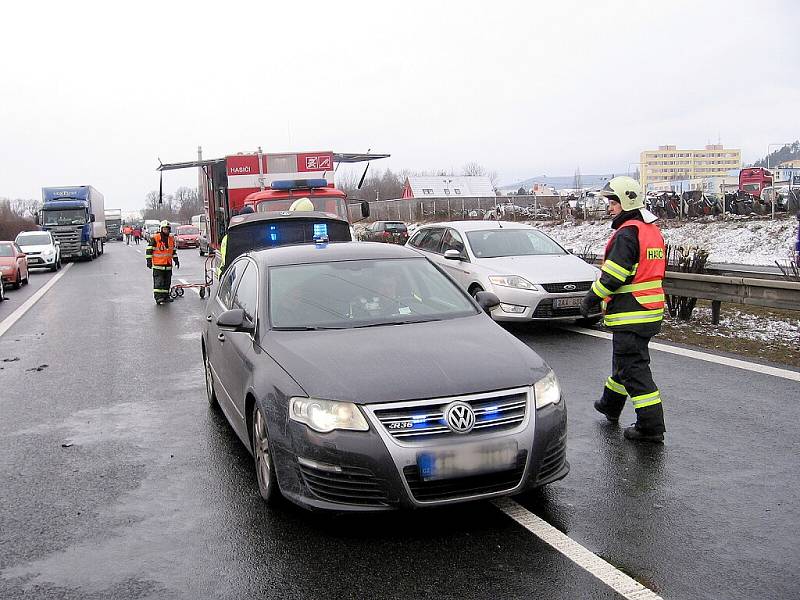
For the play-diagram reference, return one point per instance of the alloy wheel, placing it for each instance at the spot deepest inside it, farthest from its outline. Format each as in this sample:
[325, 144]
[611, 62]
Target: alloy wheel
[261, 454]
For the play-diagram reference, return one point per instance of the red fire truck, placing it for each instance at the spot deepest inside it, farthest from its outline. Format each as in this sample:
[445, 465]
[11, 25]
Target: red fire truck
[753, 180]
[269, 182]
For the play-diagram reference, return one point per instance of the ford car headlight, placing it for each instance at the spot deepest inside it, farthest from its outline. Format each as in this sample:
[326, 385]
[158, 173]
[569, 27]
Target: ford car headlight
[326, 415]
[513, 281]
[546, 390]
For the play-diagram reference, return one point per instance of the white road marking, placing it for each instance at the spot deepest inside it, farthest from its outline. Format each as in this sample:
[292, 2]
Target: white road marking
[625, 586]
[713, 358]
[195, 290]
[6, 324]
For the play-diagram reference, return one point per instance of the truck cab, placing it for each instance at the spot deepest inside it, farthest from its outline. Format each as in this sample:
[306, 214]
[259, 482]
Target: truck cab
[75, 216]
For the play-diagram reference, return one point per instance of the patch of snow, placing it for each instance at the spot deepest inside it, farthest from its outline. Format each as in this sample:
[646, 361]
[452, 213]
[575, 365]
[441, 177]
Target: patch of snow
[749, 242]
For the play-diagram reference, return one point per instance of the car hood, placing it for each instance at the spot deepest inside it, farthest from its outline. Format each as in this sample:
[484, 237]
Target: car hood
[541, 269]
[41, 248]
[405, 362]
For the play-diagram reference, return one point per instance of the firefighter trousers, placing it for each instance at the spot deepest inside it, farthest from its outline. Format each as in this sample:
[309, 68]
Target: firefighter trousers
[162, 281]
[631, 376]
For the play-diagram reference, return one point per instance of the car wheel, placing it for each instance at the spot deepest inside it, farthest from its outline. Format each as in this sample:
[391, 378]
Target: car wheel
[2, 290]
[27, 278]
[590, 322]
[212, 397]
[262, 457]
[18, 282]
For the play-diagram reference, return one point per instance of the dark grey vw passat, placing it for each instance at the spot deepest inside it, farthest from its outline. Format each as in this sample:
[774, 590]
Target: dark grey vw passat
[361, 377]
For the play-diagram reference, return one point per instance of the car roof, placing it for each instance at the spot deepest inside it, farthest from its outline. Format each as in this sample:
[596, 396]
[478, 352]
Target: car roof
[479, 225]
[340, 251]
[283, 215]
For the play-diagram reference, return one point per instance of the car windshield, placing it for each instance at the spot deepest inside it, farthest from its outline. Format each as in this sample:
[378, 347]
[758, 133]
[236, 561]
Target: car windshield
[188, 231]
[362, 293]
[333, 205]
[395, 227]
[6, 250]
[512, 242]
[36, 239]
[72, 216]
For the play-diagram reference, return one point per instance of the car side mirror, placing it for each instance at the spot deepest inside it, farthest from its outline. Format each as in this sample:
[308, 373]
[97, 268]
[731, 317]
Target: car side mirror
[36, 217]
[452, 255]
[487, 301]
[91, 218]
[364, 209]
[235, 320]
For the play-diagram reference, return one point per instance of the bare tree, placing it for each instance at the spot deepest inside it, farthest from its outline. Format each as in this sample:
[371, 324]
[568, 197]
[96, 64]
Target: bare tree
[577, 183]
[26, 207]
[11, 223]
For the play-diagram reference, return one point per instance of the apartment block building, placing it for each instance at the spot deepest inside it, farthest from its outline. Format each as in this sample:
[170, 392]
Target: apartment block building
[670, 163]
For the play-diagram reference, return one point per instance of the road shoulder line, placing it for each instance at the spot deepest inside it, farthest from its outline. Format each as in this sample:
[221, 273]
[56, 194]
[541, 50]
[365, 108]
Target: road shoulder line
[697, 354]
[621, 583]
[15, 316]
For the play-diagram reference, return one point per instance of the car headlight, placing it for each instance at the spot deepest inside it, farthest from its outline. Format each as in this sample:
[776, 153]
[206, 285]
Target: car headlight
[49, 252]
[513, 281]
[327, 415]
[546, 390]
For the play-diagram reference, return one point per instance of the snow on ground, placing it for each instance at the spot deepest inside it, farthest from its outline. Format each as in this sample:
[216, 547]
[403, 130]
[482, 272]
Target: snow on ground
[735, 323]
[748, 242]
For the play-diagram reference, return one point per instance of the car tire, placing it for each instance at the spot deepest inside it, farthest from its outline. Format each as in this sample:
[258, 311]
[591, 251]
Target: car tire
[18, 283]
[589, 322]
[2, 290]
[210, 394]
[27, 279]
[262, 457]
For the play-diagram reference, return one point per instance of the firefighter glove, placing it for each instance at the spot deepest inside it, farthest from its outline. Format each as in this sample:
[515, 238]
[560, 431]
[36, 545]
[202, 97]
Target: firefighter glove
[149, 264]
[177, 264]
[590, 304]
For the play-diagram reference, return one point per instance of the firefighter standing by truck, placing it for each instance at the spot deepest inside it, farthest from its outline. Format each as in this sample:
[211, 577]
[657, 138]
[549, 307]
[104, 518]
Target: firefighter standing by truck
[161, 254]
[631, 290]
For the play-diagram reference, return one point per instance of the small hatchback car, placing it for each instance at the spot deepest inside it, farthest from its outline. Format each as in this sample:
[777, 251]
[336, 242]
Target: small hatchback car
[361, 377]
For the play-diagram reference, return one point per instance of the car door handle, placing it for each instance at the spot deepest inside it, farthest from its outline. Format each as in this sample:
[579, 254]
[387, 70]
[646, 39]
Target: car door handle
[209, 318]
[221, 337]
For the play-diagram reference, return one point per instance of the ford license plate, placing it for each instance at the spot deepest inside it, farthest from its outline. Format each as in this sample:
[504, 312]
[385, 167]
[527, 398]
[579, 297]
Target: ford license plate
[567, 302]
[466, 460]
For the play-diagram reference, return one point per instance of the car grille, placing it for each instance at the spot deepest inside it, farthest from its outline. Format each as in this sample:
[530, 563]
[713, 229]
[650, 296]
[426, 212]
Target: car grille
[423, 422]
[545, 310]
[475, 485]
[558, 288]
[352, 485]
[554, 459]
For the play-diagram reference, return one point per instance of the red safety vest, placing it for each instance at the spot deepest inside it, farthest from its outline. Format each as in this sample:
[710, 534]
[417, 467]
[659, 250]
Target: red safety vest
[163, 253]
[648, 277]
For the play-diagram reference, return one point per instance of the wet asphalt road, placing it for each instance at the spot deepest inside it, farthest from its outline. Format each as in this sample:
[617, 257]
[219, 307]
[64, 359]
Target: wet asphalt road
[154, 496]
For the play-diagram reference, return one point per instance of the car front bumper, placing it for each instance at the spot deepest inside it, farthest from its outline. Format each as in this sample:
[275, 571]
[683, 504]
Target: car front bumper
[535, 306]
[370, 471]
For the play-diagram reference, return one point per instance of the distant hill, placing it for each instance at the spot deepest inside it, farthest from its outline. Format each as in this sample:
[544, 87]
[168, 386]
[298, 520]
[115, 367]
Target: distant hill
[788, 152]
[561, 182]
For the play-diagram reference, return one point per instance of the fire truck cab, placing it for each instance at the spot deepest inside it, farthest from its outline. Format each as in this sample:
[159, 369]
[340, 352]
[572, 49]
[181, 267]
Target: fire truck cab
[753, 180]
[270, 183]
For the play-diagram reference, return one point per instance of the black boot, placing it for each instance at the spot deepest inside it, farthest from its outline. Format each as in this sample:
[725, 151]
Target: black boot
[635, 434]
[610, 404]
[649, 426]
[611, 414]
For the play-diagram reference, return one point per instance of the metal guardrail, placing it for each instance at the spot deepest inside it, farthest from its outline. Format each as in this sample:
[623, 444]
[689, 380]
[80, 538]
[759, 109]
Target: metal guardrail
[740, 290]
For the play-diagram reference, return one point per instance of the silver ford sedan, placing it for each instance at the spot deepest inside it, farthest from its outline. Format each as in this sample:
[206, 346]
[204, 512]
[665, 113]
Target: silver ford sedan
[532, 275]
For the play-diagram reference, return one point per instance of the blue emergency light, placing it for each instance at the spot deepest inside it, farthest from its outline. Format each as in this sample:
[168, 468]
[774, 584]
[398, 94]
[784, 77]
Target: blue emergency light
[298, 184]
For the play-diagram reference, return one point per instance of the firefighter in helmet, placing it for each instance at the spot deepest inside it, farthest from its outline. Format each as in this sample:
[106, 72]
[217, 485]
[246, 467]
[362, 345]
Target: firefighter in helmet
[302, 204]
[630, 288]
[161, 254]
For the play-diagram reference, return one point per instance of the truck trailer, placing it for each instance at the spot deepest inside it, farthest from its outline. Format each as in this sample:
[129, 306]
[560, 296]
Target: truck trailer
[114, 224]
[76, 217]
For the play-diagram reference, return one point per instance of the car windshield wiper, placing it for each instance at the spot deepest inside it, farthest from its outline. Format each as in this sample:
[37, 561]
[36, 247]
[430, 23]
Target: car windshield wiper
[304, 328]
[395, 323]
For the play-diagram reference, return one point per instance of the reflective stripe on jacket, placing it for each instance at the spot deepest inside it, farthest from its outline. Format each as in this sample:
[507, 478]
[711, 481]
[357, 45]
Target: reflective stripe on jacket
[641, 281]
[161, 253]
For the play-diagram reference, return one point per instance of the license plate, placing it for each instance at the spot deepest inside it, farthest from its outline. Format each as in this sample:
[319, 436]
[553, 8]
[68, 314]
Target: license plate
[466, 460]
[567, 302]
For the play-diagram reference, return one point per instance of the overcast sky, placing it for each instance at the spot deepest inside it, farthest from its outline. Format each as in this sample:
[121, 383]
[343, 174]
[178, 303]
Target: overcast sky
[95, 93]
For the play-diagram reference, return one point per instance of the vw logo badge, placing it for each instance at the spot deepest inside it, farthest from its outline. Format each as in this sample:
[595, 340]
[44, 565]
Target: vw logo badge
[570, 286]
[460, 417]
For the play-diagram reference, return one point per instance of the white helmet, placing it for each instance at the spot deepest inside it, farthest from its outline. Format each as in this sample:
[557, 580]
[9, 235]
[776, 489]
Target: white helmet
[302, 204]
